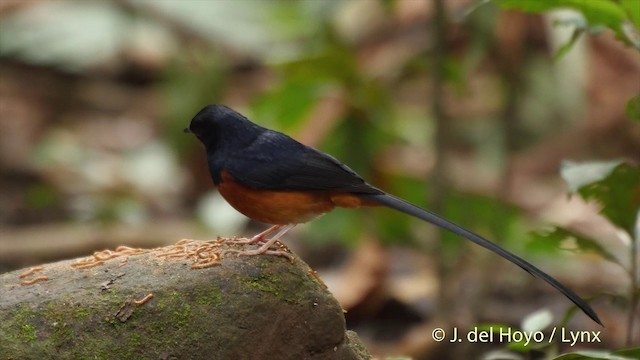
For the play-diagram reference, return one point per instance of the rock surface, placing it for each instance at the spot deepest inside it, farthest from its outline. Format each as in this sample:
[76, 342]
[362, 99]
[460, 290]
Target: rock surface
[176, 302]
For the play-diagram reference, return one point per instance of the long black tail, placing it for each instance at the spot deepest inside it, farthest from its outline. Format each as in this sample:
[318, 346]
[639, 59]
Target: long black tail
[410, 209]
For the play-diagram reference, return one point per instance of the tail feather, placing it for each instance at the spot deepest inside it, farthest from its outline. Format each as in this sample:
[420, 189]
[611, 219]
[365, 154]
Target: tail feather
[410, 209]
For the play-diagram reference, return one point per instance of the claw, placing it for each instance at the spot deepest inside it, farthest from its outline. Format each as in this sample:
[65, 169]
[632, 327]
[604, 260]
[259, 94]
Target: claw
[265, 248]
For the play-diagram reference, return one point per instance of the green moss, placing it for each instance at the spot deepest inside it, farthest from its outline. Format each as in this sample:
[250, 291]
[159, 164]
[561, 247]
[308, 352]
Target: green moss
[28, 333]
[111, 298]
[101, 347]
[135, 340]
[273, 283]
[24, 328]
[23, 313]
[50, 311]
[208, 296]
[80, 312]
[263, 285]
[183, 315]
[61, 333]
[55, 326]
[168, 300]
[178, 320]
[21, 327]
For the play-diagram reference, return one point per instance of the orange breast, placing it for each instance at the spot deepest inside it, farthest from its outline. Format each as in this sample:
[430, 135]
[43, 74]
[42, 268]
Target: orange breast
[284, 207]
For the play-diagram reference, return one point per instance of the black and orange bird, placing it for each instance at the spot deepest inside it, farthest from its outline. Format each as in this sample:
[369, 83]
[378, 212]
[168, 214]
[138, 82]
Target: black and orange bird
[273, 179]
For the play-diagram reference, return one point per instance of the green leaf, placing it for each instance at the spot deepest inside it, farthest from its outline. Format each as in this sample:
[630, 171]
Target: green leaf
[560, 237]
[617, 17]
[632, 109]
[619, 195]
[597, 12]
[633, 353]
[632, 7]
[578, 175]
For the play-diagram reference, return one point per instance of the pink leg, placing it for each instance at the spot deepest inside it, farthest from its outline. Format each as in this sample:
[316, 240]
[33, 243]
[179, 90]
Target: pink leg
[264, 248]
[260, 238]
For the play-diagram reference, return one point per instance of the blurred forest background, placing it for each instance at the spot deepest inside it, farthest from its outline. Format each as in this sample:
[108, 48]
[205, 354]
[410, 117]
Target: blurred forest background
[464, 107]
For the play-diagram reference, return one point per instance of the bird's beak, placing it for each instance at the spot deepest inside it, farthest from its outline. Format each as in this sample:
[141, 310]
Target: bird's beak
[187, 130]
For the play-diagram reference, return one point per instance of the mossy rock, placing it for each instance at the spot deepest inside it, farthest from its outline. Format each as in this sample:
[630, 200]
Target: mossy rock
[143, 305]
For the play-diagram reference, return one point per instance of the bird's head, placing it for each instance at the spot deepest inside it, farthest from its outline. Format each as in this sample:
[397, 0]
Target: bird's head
[215, 123]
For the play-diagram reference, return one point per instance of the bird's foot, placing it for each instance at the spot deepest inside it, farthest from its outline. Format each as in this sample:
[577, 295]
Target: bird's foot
[262, 237]
[266, 244]
[244, 241]
[266, 248]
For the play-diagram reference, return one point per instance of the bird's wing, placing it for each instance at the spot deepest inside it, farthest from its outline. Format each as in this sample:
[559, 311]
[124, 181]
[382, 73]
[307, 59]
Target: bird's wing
[274, 163]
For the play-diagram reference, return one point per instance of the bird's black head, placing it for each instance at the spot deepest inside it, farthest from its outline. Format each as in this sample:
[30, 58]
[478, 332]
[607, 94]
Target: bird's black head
[217, 126]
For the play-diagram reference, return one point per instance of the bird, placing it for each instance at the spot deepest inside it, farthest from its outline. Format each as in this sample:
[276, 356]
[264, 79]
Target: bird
[272, 178]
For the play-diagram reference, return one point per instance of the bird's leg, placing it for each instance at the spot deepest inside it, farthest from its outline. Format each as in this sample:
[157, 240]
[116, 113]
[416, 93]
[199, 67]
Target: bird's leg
[265, 247]
[260, 238]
